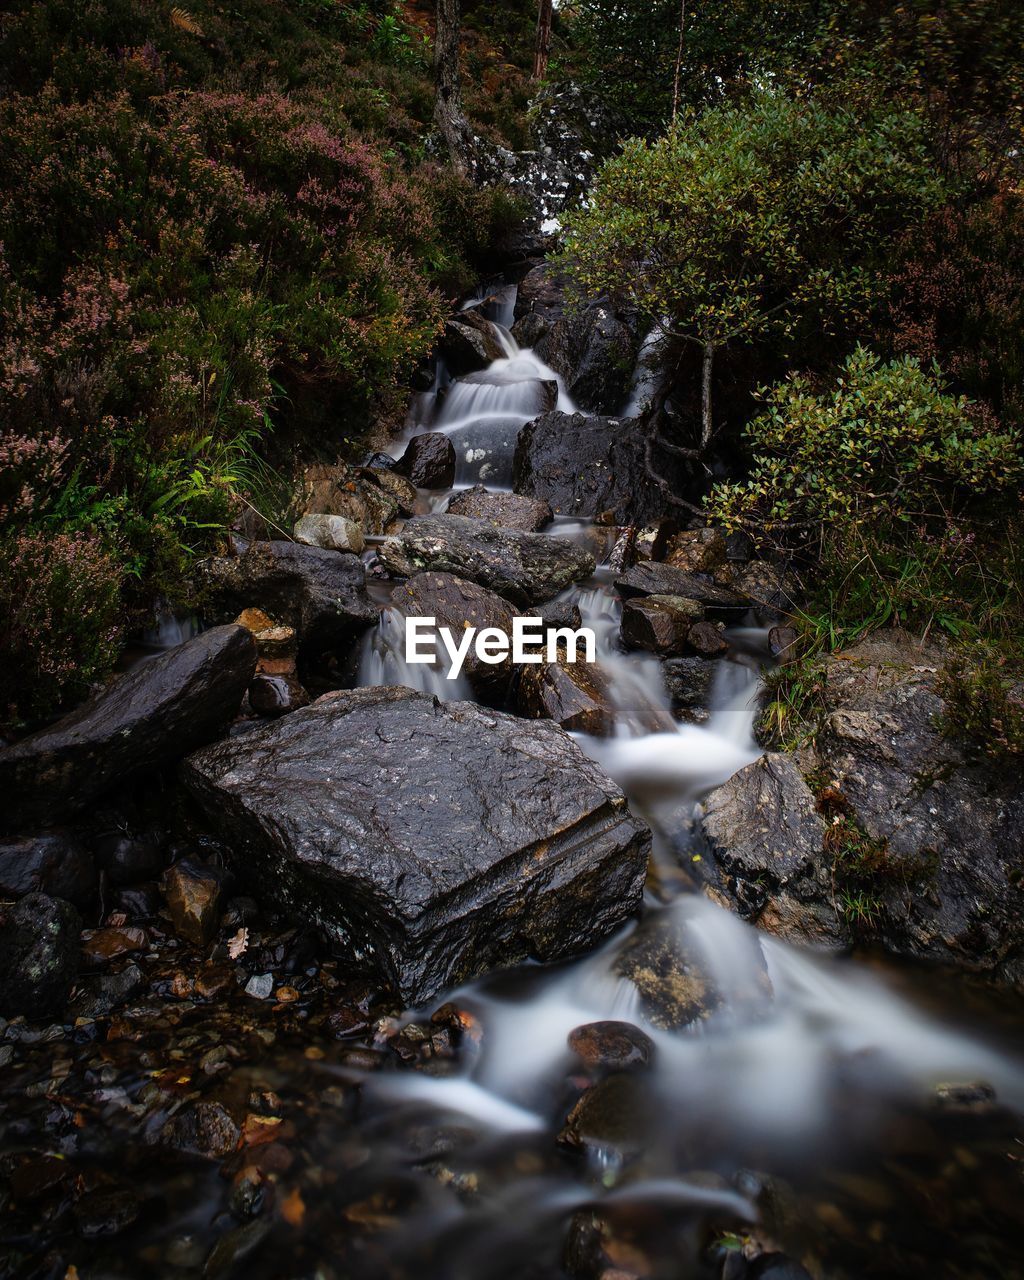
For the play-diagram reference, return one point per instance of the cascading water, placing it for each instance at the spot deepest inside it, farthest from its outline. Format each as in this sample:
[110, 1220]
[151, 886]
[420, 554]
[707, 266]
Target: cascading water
[799, 1064]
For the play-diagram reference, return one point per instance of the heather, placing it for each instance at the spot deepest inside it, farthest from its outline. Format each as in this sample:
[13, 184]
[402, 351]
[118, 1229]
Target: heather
[224, 246]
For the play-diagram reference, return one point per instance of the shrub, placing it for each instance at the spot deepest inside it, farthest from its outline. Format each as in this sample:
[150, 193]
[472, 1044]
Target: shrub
[59, 620]
[770, 219]
[887, 484]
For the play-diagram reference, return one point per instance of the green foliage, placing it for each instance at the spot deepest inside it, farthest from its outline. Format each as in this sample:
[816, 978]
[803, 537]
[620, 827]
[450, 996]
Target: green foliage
[767, 219]
[887, 482]
[887, 446]
[983, 692]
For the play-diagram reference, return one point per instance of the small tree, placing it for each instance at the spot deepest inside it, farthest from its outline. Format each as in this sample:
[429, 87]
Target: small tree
[449, 115]
[754, 220]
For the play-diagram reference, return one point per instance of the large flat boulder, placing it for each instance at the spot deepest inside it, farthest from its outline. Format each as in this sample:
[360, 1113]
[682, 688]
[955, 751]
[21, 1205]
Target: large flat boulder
[584, 466]
[510, 510]
[435, 840]
[150, 717]
[525, 568]
[648, 578]
[319, 592]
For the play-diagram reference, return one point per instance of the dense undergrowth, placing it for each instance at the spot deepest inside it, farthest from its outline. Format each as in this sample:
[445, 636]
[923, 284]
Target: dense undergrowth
[224, 237]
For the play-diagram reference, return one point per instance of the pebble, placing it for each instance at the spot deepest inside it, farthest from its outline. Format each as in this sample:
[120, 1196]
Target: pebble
[260, 986]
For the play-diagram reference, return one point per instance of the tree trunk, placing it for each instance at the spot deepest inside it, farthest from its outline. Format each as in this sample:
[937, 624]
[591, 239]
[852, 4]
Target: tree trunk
[705, 396]
[543, 47]
[679, 60]
[448, 114]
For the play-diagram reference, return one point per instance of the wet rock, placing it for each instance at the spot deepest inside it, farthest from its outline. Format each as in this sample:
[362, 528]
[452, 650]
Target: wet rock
[106, 1211]
[233, 1248]
[276, 695]
[147, 718]
[782, 642]
[322, 594]
[576, 695]
[333, 533]
[697, 550]
[706, 638]
[429, 461]
[55, 863]
[647, 578]
[541, 293]
[468, 344]
[100, 996]
[767, 839]
[101, 945]
[193, 895]
[438, 838]
[560, 613]
[396, 486]
[659, 624]
[595, 351]
[772, 590]
[529, 329]
[260, 986]
[127, 859]
[510, 510]
[668, 972]
[611, 1119]
[524, 567]
[689, 681]
[611, 1046]
[39, 956]
[138, 902]
[378, 461]
[584, 465]
[338, 490]
[202, 1129]
[458, 604]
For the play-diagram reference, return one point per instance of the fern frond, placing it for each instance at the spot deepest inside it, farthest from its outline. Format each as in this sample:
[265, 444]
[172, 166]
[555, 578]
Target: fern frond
[184, 21]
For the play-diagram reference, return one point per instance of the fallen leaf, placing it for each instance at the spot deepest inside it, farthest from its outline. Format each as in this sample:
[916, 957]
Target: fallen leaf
[239, 944]
[293, 1208]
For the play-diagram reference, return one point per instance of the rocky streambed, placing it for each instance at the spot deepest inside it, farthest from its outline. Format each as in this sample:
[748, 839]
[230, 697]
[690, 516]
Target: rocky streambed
[314, 963]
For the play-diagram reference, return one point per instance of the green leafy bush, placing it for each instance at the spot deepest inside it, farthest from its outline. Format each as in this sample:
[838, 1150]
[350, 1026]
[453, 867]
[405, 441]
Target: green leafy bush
[886, 484]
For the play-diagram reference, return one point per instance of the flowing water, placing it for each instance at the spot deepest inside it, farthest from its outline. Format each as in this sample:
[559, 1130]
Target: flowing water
[809, 1112]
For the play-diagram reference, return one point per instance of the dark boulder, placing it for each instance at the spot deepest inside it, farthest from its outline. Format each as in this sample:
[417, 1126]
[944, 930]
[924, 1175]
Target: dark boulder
[437, 840]
[697, 551]
[584, 466]
[595, 351]
[322, 594]
[428, 461]
[362, 495]
[542, 293]
[648, 578]
[524, 567]
[128, 859]
[276, 695]
[457, 604]
[510, 510]
[55, 863]
[469, 343]
[576, 695]
[150, 717]
[39, 956]
[688, 682]
[772, 591]
[659, 624]
[767, 841]
[707, 639]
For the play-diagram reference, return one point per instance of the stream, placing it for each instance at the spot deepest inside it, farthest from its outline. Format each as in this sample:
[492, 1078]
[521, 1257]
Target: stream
[820, 1117]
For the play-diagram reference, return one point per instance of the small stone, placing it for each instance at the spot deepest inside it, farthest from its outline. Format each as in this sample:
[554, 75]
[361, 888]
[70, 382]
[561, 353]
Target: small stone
[611, 1046]
[706, 639]
[333, 533]
[429, 461]
[98, 997]
[659, 623]
[204, 1129]
[39, 956]
[276, 644]
[255, 620]
[101, 945]
[697, 550]
[276, 695]
[610, 1119]
[260, 986]
[192, 894]
[782, 642]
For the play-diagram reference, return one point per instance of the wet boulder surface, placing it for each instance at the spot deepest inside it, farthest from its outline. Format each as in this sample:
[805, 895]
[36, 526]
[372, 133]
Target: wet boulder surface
[321, 593]
[584, 466]
[38, 955]
[510, 510]
[888, 832]
[525, 568]
[148, 718]
[649, 578]
[439, 839]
